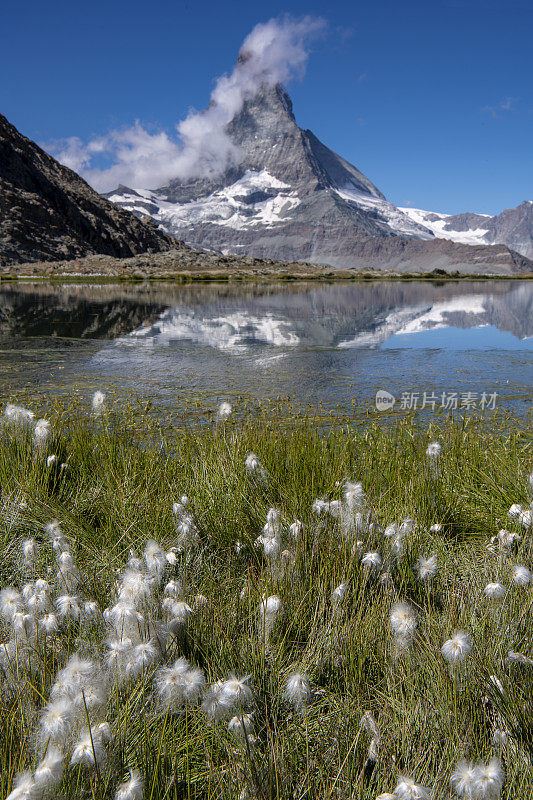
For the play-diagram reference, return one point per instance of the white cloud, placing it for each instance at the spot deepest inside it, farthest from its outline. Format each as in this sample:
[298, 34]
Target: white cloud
[273, 52]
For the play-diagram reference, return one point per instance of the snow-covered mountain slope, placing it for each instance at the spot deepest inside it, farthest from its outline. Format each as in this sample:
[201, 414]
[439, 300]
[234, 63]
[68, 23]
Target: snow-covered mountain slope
[442, 226]
[513, 227]
[291, 198]
[257, 199]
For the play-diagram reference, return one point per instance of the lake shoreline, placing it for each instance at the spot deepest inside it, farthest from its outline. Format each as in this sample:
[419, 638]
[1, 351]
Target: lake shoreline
[183, 266]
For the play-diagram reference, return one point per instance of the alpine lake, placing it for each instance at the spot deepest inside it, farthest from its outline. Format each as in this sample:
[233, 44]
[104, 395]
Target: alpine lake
[426, 347]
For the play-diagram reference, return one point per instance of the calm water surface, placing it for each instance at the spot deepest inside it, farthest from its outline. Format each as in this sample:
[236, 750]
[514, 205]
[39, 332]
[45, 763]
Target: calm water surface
[337, 344]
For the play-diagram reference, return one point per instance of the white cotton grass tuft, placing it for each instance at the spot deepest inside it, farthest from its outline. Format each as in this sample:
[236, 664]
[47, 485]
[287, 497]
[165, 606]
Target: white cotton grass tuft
[98, 403]
[515, 511]
[242, 726]
[522, 576]
[338, 594]
[89, 749]
[254, 468]
[295, 530]
[50, 769]
[427, 568]
[407, 789]
[29, 552]
[478, 781]
[458, 648]
[49, 624]
[403, 620]
[269, 610]
[526, 518]
[42, 433]
[186, 528]
[224, 411]
[297, 690]
[24, 787]
[77, 675]
[369, 724]
[11, 603]
[372, 561]
[135, 586]
[18, 416]
[179, 613]
[132, 788]
[463, 779]
[225, 699]
[155, 558]
[504, 541]
[518, 658]
[57, 721]
[489, 780]
[403, 623]
[68, 608]
[179, 686]
[434, 450]
[495, 591]
[91, 611]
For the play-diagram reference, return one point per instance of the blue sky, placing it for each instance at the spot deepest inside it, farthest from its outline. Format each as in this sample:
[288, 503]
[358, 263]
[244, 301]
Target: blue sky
[432, 101]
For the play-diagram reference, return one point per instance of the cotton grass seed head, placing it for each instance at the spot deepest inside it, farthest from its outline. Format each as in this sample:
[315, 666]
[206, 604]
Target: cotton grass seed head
[50, 769]
[225, 699]
[224, 411]
[297, 689]
[89, 750]
[407, 789]
[494, 591]
[463, 779]
[338, 594]
[434, 450]
[24, 787]
[98, 403]
[179, 686]
[458, 648]
[242, 726]
[403, 620]
[489, 780]
[426, 568]
[18, 416]
[522, 575]
[132, 788]
[372, 561]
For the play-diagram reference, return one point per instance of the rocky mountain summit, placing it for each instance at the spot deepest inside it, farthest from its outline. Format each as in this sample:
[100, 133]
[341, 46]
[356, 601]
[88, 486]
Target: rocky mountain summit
[48, 212]
[291, 198]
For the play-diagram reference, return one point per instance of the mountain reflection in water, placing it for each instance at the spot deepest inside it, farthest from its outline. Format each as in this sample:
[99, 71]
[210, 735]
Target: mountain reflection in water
[332, 343]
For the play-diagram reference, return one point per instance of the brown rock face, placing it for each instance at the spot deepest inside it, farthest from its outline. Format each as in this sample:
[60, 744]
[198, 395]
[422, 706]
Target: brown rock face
[48, 212]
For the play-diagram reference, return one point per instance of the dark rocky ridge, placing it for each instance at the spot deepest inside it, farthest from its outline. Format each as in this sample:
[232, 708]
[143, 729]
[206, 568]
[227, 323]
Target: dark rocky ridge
[47, 211]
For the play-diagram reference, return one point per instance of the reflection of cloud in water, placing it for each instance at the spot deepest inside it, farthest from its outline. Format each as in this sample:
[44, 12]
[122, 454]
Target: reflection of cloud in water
[233, 332]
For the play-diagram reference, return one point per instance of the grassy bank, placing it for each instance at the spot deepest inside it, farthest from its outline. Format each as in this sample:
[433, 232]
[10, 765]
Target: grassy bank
[335, 698]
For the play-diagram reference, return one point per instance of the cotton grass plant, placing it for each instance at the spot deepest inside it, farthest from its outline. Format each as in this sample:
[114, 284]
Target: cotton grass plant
[258, 609]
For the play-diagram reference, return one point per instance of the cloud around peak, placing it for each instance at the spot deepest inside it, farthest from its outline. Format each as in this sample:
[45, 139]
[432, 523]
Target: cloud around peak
[273, 52]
